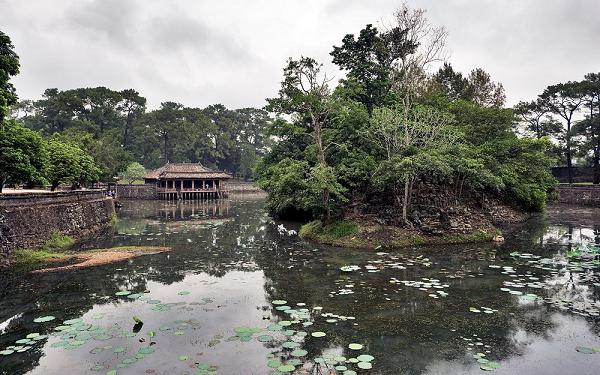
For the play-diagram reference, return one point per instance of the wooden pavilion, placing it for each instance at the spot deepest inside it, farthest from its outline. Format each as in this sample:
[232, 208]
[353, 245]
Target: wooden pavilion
[188, 181]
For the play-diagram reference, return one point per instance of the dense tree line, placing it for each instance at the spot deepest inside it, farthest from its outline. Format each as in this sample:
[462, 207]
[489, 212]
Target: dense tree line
[116, 129]
[568, 113]
[391, 129]
[83, 135]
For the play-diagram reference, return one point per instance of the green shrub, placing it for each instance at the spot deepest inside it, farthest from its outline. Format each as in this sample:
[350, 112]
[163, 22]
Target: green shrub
[58, 242]
[31, 258]
[336, 230]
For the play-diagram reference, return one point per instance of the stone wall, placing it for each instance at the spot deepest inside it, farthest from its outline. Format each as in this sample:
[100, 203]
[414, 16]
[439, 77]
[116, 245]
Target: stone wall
[28, 220]
[588, 195]
[580, 174]
[137, 191]
[241, 186]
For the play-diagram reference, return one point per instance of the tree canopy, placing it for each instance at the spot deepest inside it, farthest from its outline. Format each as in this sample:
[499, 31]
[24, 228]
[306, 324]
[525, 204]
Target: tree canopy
[9, 67]
[391, 131]
[115, 128]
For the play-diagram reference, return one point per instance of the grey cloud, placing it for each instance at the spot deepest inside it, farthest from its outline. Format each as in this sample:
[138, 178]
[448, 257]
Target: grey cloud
[183, 32]
[202, 52]
[114, 19]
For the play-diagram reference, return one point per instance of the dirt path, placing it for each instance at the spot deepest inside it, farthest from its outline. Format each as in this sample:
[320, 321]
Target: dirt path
[99, 257]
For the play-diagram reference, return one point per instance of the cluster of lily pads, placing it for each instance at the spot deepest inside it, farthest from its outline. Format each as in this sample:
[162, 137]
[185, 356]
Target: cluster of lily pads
[426, 285]
[483, 350]
[72, 334]
[486, 364]
[399, 262]
[288, 336]
[485, 310]
[579, 265]
[587, 350]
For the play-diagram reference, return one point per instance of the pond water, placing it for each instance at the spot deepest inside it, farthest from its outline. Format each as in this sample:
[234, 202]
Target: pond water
[240, 296]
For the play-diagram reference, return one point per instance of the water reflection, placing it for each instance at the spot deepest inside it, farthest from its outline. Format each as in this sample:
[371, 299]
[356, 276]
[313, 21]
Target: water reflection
[413, 310]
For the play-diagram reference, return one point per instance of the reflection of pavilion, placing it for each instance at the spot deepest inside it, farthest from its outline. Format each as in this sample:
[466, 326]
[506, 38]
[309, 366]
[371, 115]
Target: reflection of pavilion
[198, 208]
[188, 181]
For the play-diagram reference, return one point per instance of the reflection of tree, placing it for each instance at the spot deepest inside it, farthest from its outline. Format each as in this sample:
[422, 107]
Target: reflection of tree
[410, 330]
[215, 250]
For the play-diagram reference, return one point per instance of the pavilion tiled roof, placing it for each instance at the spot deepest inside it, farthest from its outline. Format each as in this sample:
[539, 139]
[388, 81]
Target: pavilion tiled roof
[185, 170]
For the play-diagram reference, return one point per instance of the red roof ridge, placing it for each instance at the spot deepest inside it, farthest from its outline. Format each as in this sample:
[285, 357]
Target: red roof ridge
[185, 170]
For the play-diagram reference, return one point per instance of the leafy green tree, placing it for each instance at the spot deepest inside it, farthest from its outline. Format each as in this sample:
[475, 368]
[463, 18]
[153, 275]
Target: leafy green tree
[537, 120]
[224, 133]
[452, 83]
[402, 137]
[523, 167]
[305, 95]
[590, 126]
[483, 91]
[368, 59]
[69, 164]
[106, 150]
[9, 67]
[481, 124]
[22, 155]
[134, 172]
[131, 106]
[287, 184]
[565, 100]
[477, 87]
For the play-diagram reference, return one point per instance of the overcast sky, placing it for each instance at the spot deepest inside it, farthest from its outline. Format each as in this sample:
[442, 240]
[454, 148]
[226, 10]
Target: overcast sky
[200, 52]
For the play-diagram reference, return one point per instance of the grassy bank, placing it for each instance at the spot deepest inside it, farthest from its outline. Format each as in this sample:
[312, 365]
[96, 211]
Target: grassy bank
[354, 235]
[55, 255]
[54, 249]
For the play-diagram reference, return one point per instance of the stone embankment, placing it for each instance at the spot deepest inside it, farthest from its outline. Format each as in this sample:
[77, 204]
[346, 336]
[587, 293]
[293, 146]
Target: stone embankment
[27, 220]
[579, 195]
[146, 191]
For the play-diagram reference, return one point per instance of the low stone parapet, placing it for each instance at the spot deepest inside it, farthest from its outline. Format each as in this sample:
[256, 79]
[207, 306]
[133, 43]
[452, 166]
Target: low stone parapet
[146, 191]
[579, 195]
[27, 220]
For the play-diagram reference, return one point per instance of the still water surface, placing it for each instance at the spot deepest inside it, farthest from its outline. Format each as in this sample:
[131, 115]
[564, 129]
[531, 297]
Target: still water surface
[239, 296]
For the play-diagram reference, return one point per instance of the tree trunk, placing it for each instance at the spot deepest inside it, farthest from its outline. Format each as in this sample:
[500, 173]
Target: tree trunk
[126, 130]
[568, 153]
[166, 139]
[405, 201]
[322, 162]
[596, 147]
[597, 163]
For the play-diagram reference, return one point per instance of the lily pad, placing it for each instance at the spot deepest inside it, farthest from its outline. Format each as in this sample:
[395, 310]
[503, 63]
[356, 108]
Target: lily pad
[365, 365]
[355, 346]
[286, 368]
[585, 350]
[365, 358]
[299, 353]
[290, 345]
[490, 366]
[71, 322]
[265, 338]
[43, 319]
[318, 334]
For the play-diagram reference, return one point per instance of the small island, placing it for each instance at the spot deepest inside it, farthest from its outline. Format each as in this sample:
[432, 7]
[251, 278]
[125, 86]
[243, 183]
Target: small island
[393, 156]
